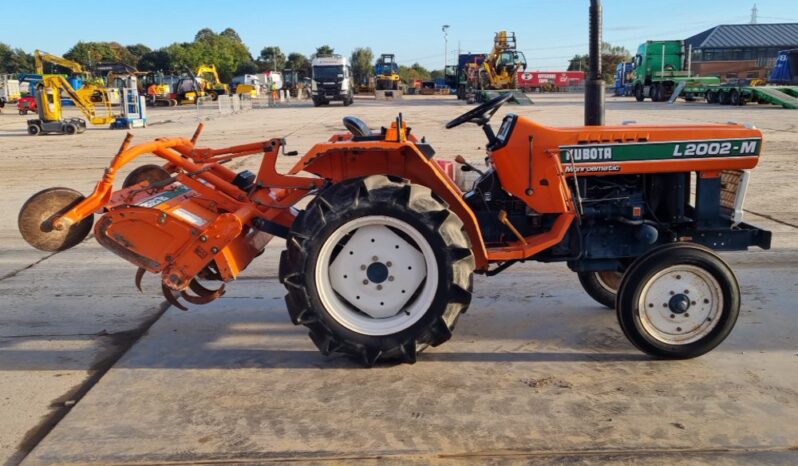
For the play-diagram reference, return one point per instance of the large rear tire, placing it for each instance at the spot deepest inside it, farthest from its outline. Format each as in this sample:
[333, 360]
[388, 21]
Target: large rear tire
[378, 269]
[36, 215]
[678, 301]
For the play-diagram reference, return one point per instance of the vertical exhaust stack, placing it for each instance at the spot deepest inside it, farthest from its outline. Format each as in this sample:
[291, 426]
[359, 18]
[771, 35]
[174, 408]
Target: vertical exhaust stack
[594, 87]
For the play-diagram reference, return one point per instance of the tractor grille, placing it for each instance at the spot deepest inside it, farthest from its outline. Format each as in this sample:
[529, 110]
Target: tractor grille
[733, 185]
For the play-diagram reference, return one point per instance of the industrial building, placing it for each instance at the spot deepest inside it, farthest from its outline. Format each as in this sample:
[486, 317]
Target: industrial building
[741, 50]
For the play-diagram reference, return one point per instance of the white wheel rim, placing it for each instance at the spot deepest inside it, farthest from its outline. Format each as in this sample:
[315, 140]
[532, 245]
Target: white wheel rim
[379, 283]
[680, 304]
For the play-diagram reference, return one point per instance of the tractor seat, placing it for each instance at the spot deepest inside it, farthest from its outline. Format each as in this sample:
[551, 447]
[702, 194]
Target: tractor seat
[360, 130]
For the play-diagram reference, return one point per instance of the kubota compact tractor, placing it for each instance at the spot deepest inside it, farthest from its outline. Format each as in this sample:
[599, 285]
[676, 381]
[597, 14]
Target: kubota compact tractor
[379, 264]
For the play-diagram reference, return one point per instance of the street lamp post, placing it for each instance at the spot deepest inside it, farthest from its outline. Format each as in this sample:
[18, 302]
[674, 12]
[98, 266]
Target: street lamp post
[445, 30]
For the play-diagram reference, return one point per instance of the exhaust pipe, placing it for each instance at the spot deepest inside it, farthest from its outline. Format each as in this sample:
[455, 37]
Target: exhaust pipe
[594, 87]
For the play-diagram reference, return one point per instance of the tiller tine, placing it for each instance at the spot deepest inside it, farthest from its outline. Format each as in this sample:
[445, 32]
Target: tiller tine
[204, 295]
[171, 298]
[139, 275]
[202, 291]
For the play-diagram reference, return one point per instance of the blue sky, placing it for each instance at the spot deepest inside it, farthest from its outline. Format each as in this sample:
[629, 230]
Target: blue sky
[549, 31]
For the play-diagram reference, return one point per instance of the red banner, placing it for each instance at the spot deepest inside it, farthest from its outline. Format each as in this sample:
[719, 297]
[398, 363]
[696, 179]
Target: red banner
[528, 79]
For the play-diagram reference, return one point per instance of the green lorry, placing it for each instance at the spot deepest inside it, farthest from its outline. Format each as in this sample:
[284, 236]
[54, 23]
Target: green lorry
[662, 72]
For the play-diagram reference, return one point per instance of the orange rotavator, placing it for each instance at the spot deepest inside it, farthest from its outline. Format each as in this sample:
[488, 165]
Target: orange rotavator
[379, 263]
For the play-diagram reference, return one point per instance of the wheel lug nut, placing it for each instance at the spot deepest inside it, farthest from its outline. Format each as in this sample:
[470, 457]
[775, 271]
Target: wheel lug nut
[388, 264]
[362, 267]
[692, 303]
[673, 293]
[365, 282]
[706, 301]
[687, 314]
[686, 291]
[673, 316]
[379, 287]
[678, 277]
[390, 279]
[678, 329]
[375, 258]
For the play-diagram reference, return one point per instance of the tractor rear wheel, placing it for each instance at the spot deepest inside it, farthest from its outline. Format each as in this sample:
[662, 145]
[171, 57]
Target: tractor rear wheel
[150, 172]
[601, 286]
[36, 216]
[378, 269]
[678, 301]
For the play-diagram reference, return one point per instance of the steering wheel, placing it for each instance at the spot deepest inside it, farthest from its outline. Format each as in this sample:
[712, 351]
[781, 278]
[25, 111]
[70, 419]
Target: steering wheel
[481, 114]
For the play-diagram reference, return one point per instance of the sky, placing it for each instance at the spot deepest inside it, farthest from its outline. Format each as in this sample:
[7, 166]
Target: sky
[549, 32]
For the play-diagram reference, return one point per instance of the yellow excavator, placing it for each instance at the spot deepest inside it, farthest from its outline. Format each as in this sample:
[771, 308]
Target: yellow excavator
[48, 100]
[500, 68]
[211, 84]
[91, 89]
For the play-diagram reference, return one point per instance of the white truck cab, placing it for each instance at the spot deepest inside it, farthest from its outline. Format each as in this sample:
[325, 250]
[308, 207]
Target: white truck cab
[332, 80]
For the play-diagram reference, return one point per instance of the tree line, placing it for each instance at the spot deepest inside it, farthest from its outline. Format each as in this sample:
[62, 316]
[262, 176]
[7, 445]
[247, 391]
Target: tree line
[225, 49]
[611, 56]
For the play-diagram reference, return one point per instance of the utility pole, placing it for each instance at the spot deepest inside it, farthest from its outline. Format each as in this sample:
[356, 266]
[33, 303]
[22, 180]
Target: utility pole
[445, 29]
[754, 14]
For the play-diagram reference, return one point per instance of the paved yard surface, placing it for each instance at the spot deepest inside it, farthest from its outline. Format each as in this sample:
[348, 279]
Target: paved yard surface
[535, 372]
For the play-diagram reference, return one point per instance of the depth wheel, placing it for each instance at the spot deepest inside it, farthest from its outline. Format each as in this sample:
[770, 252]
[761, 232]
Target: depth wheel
[151, 173]
[601, 286]
[36, 215]
[377, 269]
[678, 301]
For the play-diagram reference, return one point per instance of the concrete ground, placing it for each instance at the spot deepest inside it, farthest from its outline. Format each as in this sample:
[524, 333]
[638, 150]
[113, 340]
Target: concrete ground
[535, 373]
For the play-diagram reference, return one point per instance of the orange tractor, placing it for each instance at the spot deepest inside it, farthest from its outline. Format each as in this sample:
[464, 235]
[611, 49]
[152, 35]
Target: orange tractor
[380, 262]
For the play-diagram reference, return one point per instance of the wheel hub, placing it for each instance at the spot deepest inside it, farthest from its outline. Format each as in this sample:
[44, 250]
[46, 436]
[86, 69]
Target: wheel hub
[679, 303]
[377, 272]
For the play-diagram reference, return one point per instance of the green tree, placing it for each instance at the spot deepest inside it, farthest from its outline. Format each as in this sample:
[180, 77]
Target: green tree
[413, 73]
[436, 74]
[137, 51]
[204, 34]
[324, 51]
[611, 56]
[90, 53]
[157, 60]
[232, 34]
[249, 67]
[15, 60]
[299, 62]
[361, 62]
[272, 59]
[224, 51]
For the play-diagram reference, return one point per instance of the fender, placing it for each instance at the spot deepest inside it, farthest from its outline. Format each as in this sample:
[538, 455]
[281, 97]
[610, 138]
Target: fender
[338, 161]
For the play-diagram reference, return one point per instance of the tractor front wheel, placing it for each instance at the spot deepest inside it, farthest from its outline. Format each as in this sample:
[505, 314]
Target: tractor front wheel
[378, 269]
[601, 286]
[678, 301]
[37, 214]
